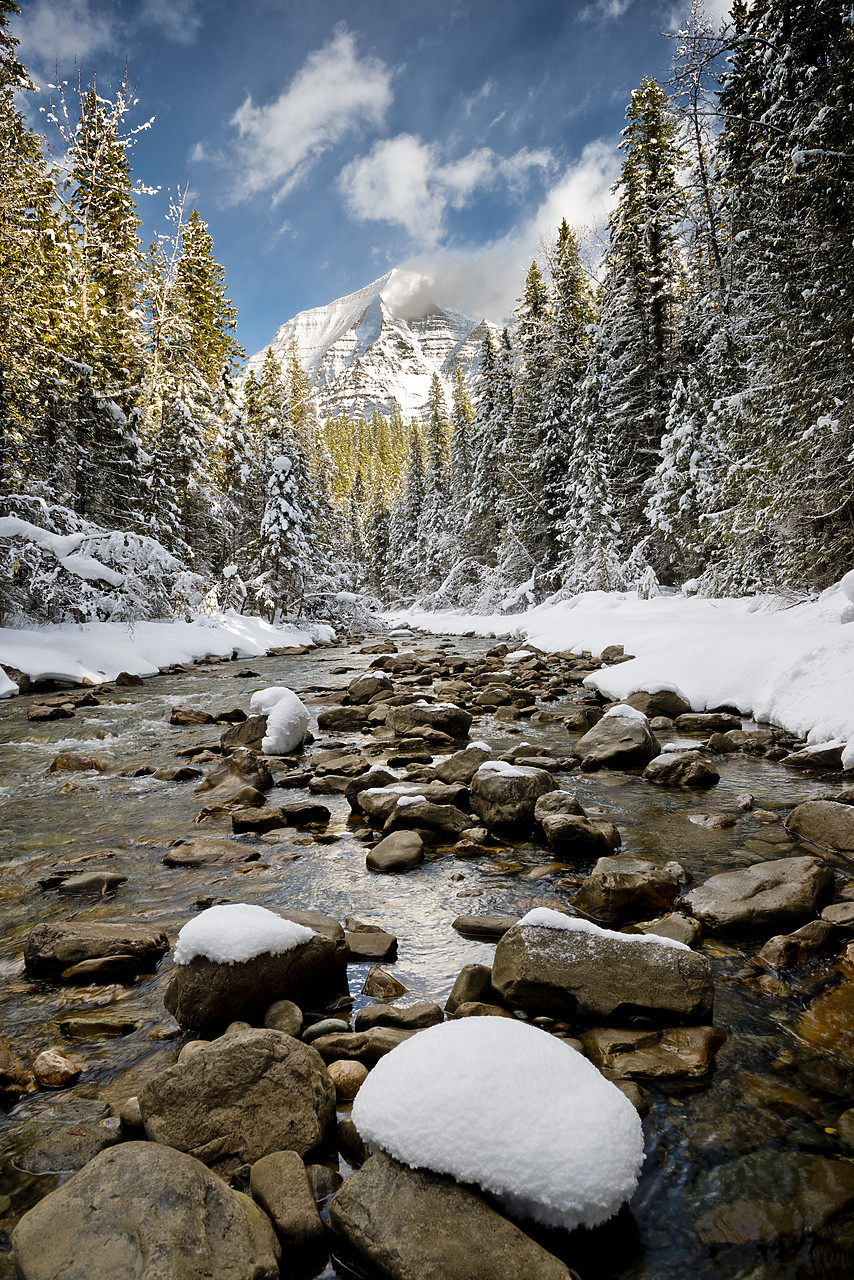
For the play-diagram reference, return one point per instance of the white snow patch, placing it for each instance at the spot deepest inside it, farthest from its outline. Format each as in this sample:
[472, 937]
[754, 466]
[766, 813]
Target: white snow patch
[288, 719]
[518, 655]
[405, 801]
[505, 768]
[238, 931]
[624, 712]
[546, 918]
[481, 746]
[506, 1106]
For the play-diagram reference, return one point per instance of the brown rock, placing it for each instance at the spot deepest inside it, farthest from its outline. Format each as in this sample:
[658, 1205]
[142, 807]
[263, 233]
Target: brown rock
[190, 716]
[50, 947]
[824, 822]
[279, 1184]
[677, 1053]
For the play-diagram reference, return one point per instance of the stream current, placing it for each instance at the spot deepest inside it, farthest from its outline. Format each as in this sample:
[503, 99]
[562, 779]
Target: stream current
[701, 1143]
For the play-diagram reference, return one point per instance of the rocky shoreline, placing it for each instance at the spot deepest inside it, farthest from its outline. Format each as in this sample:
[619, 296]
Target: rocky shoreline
[253, 1102]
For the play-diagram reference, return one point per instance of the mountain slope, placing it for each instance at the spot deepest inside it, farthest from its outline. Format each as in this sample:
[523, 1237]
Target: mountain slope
[363, 353]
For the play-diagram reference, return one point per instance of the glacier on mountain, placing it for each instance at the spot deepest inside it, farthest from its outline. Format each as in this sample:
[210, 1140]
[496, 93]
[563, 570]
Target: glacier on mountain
[364, 352]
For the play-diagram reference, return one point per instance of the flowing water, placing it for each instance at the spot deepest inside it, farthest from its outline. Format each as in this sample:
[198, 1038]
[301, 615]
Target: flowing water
[705, 1146]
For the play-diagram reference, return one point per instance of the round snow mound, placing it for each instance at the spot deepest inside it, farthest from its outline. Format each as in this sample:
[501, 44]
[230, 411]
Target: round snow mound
[287, 719]
[237, 931]
[508, 1107]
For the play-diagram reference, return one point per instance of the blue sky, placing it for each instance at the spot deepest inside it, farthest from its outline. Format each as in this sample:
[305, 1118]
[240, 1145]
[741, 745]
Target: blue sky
[326, 141]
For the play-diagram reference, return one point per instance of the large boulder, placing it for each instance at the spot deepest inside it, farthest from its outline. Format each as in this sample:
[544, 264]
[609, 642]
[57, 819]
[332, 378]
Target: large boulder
[626, 888]
[553, 964]
[662, 702]
[571, 833]
[410, 1223]
[240, 1097]
[365, 687]
[400, 851]
[52, 947]
[206, 995]
[380, 802]
[681, 769]
[764, 898]
[826, 823]
[461, 767]
[622, 739]
[141, 1209]
[444, 717]
[505, 795]
[416, 811]
[248, 733]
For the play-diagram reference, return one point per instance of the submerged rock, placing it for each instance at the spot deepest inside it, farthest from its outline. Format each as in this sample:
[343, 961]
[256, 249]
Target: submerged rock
[132, 1210]
[826, 823]
[785, 891]
[677, 1053]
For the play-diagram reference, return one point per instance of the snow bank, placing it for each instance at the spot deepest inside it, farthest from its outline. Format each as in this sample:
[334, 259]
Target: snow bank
[238, 931]
[546, 918]
[98, 651]
[508, 1107]
[789, 665]
[287, 719]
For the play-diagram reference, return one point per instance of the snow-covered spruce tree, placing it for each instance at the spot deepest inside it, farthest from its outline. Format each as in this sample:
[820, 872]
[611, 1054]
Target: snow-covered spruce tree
[482, 527]
[433, 534]
[405, 521]
[460, 465]
[679, 488]
[641, 292]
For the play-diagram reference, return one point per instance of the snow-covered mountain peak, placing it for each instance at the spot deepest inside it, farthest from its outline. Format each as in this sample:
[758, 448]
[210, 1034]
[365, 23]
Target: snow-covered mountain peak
[379, 346]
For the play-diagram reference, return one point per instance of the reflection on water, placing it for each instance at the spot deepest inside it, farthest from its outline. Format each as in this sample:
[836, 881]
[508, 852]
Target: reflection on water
[698, 1142]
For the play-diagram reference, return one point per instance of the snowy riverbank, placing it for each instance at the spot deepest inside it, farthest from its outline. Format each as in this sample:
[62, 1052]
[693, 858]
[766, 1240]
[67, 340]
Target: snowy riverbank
[98, 651]
[789, 665]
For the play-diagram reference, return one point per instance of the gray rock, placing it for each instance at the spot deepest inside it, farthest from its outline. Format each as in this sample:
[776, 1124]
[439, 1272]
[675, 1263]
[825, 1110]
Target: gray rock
[789, 949]
[241, 769]
[91, 882]
[132, 1211]
[68, 1149]
[369, 942]
[409, 1223]
[366, 1046]
[676, 926]
[380, 802]
[51, 947]
[462, 765]
[206, 996]
[681, 769]
[400, 851]
[825, 823]
[295, 813]
[284, 1015]
[443, 717]
[373, 779]
[413, 1018]
[248, 733]
[703, 722]
[239, 1098]
[485, 927]
[761, 898]
[479, 1009]
[558, 803]
[663, 702]
[505, 798]
[116, 968]
[839, 914]
[473, 982]
[613, 978]
[325, 1027]
[365, 687]
[444, 819]
[627, 888]
[208, 851]
[343, 719]
[190, 716]
[579, 837]
[279, 1184]
[617, 742]
[820, 757]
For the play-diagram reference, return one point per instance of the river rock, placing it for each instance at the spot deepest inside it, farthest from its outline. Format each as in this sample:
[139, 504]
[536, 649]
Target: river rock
[400, 851]
[409, 1223]
[284, 1015]
[702, 723]
[413, 1018]
[239, 1098]
[296, 813]
[190, 716]
[241, 769]
[621, 740]
[54, 1069]
[366, 1046]
[473, 982]
[348, 1077]
[132, 1212]
[206, 996]
[380, 802]
[823, 756]
[208, 851]
[826, 823]
[381, 985]
[249, 733]
[375, 779]
[505, 795]
[43, 711]
[761, 898]
[485, 927]
[279, 1184]
[770, 1195]
[365, 687]
[368, 941]
[15, 1076]
[343, 719]
[76, 762]
[676, 1053]
[68, 1149]
[662, 702]
[789, 949]
[89, 882]
[627, 888]
[52, 947]
[414, 811]
[681, 769]
[828, 1023]
[569, 830]
[443, 717]
[461, 767]
[604, 975]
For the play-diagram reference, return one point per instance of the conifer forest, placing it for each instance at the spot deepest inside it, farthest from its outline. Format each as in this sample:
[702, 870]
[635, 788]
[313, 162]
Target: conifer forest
[677, 406]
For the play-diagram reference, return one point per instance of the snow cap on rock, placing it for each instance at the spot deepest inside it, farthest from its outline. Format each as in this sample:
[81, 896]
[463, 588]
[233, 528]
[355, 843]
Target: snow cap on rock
[546, 918]
[506, 1106]
[237, 931]
[287, 719]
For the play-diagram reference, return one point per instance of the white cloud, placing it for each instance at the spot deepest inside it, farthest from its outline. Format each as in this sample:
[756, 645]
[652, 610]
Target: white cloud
[55, 31]
[489, 281]
[179, 20]
[604, 10]
[404, 181]
[334, 93]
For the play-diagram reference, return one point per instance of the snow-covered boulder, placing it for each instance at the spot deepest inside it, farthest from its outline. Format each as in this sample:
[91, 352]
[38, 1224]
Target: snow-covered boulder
[288, 719]
[621, 740]
[504, 795]
[234, 961]
[432, 1103]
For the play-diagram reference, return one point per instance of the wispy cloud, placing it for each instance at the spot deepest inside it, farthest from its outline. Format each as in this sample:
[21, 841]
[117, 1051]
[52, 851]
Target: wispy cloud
[488, 281]
[604, 10]
[179, 20]
[56, 31]
[336, 92]
[405, 181]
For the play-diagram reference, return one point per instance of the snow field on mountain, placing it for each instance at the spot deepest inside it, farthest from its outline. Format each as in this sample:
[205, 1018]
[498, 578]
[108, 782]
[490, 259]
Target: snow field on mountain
[98, 651]
[506, 1106]
[786, 664]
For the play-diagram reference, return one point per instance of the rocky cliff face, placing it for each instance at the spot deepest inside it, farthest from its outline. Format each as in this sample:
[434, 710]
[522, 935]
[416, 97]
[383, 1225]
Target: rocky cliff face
[363, 353]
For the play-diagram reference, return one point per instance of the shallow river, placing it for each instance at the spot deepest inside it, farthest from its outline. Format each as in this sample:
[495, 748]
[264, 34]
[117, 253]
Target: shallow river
[699, 1142]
